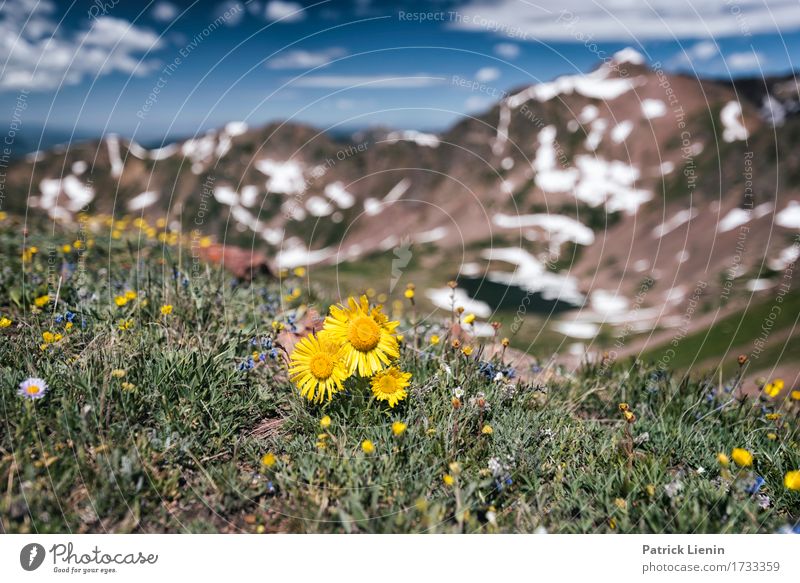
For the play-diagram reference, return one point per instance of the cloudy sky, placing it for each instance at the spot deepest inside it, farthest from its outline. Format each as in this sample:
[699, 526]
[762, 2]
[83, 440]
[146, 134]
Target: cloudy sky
[162, 69]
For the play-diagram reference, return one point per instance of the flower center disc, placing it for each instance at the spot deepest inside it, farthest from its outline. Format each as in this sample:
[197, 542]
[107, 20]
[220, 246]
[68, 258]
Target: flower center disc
[388, 384]
[364, 334]
[33, 390]
[321, 365]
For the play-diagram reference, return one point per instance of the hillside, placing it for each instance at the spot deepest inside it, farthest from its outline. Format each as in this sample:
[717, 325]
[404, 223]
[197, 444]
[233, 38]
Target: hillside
[626, 192]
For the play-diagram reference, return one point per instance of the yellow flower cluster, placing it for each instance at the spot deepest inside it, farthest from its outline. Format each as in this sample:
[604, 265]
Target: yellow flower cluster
[50, 338]
[356, 340]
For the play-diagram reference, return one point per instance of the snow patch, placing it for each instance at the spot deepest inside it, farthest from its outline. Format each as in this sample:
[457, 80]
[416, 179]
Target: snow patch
[142, 201]
[732, 122]
[419, 138]
[789, 217]
[284, 177]
[621, 131]
[112, 143]
[680, 218]
[337, 193]
[653, 108]
[445, 298]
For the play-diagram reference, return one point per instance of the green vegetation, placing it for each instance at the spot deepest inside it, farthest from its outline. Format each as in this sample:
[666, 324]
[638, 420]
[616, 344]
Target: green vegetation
[169, 410]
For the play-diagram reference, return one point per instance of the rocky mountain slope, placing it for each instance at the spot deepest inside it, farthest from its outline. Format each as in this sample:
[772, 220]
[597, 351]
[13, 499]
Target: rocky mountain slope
[627, 191]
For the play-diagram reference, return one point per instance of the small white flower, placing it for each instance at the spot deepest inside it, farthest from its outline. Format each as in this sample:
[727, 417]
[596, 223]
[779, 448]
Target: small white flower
[499, 377]
[458, 392]
[33, 388]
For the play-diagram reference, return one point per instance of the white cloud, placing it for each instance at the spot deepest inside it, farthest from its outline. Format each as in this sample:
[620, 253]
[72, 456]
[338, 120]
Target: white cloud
[704, 50]
[616, 20]
[165, 11]
[39, 55]
[366, 81]
[477, 103]
[507, 50]
[740, 61]
[231, 12]
[487, 74]
[305, 59]
[285, 11]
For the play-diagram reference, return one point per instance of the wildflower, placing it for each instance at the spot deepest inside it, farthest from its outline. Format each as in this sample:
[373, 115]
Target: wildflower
[742, 359]
[455, 468]
[456, 402]
[41, 301]
[448, 480]
[130, 295]
[33, 388]
[325, 422]
[409, 294]
[126, 386]
[755, 486]
[772, 416]
[723, 460]
[796, 395]
[367, 446]
[505, 342]
[268, 460]
[277, 326]
[742, 457]
[772, 436]
[651, 490]
[390, 385]
[166, 309]
[120, 301]
[316, 367]
[118, 373]
[774, 388]
[621, 503]
[367, 336]
[434, 339]
[125, 324]
[467, 350]
[399, 428]
[792, 480]
[487, 429]
[456, 343]
[4, 322]
[300, 271]
[612, 523]
[66, 248]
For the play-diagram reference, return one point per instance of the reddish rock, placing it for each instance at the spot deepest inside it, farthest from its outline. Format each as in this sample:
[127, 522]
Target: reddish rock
[243, 263]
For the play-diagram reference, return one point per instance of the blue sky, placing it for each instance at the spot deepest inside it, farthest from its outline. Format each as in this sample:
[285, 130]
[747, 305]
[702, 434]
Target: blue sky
[163, 69]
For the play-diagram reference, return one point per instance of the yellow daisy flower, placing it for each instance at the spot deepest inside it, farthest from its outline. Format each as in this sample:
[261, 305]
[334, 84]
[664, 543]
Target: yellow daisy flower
[367, 336]
[367, 447]
[792, 480]
[317, 368]
[399, 428]
[742, 457]
[390, 385]
[41, 301]
[774, 388]
[166, 309]
[5, 322]
[268, 460]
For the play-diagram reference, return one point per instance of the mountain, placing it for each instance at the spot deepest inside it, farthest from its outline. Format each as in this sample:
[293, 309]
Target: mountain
[632, 193]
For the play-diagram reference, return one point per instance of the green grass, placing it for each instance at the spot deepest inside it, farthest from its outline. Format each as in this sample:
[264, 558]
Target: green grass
[736, 334]
[179, 449]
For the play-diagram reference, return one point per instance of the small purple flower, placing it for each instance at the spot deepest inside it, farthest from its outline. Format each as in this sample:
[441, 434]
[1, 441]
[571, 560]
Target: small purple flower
[33, 388]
